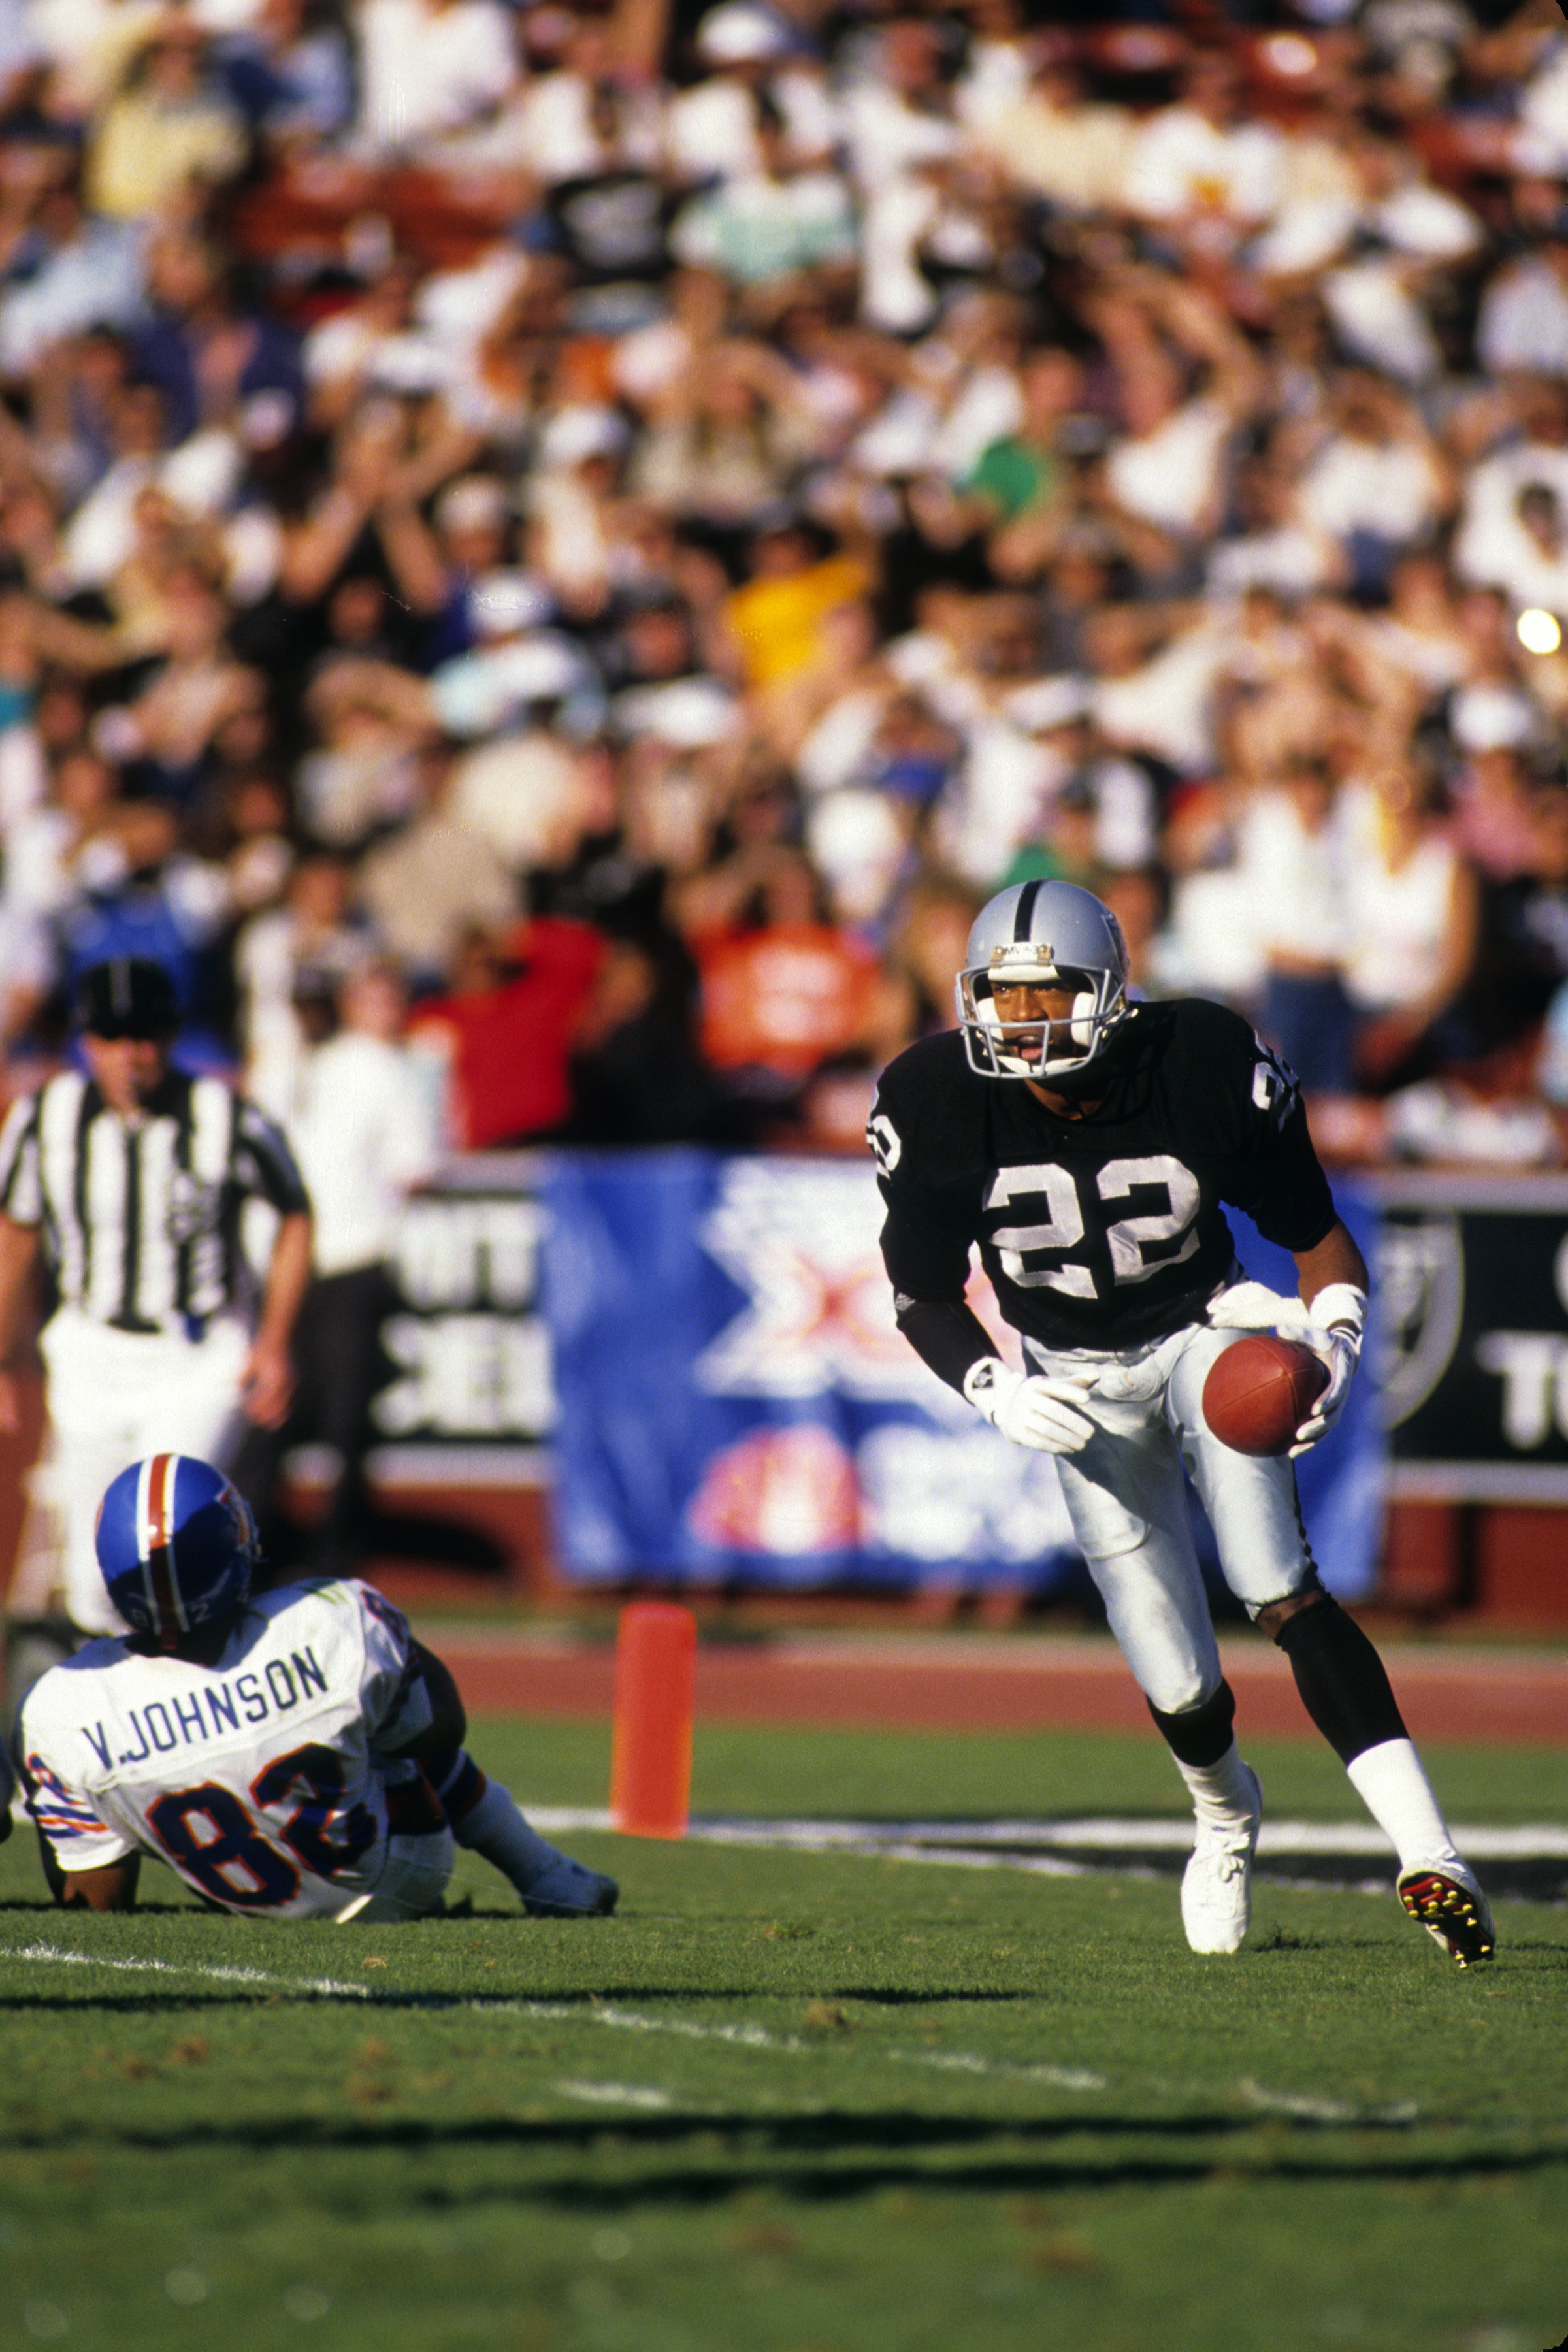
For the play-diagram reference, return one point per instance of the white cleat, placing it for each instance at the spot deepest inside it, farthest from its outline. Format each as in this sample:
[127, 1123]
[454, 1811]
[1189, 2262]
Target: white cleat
[564, 1889]
[1446, 1899]
[1216, 1886]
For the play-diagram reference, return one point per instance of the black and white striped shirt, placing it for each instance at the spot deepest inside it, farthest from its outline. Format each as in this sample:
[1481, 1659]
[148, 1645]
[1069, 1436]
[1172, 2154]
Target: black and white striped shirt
[141, 1216]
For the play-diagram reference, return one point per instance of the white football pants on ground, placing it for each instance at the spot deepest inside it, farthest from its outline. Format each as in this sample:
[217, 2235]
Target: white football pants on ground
[413, 1881]
[1129, 1509]
[114, 1397]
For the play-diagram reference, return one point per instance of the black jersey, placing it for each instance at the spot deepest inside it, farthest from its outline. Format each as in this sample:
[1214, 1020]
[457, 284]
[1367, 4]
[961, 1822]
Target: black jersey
[1105, 1231]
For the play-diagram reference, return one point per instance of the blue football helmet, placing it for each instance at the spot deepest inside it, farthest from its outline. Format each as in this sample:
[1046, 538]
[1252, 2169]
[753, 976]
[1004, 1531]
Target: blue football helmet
[177, 1546]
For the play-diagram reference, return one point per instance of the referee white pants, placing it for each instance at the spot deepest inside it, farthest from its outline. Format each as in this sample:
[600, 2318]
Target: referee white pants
[114, 1397]
[1129, 1509]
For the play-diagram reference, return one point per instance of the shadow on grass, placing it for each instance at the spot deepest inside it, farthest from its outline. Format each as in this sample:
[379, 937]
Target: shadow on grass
[841, 2130]
[43, 1907]
[838, 2156]
[823, 2184]
[274, 1996]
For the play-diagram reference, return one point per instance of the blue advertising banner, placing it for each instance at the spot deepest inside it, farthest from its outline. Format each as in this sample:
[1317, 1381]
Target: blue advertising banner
[735, 1401]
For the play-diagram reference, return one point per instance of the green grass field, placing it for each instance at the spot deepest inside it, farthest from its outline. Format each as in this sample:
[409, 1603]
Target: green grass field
[798, 2103]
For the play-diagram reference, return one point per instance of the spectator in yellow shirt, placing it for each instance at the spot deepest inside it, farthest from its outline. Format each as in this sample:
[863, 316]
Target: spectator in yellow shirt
[775, 620]
[168, 126]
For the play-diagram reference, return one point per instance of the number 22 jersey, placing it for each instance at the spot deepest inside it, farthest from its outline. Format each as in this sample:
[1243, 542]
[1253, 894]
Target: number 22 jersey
[253, 1777]
[1104, 1232]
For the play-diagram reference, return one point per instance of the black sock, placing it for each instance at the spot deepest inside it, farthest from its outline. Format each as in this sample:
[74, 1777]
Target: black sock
[457, 1781]
[1199, 1734]
[1343, 1683]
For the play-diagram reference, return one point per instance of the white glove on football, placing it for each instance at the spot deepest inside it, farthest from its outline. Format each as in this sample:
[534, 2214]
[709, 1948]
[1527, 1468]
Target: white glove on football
[1332, 1326]
[1030, 1409]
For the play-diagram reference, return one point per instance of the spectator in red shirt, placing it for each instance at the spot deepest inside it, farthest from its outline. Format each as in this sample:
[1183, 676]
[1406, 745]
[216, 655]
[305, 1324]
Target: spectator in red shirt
[507, 1028]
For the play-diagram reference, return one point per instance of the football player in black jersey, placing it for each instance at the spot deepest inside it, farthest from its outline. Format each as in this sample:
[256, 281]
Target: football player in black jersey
[1085, 1145]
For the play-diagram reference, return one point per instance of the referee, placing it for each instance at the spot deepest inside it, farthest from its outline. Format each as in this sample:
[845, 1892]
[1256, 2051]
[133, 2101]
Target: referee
[134, 1178]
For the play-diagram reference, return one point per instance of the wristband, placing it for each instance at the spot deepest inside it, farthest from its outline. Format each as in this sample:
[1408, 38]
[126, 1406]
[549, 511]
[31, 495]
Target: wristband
[1341, 1306]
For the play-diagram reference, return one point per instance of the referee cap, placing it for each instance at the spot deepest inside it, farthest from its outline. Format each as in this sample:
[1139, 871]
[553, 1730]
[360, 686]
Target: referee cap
[177, 1545]
[130, 996]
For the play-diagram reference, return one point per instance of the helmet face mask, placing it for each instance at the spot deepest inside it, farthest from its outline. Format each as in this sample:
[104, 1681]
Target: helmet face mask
[1046, 937]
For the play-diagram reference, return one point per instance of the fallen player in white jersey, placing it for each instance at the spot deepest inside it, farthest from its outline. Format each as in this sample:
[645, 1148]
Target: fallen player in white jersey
[297, 1754]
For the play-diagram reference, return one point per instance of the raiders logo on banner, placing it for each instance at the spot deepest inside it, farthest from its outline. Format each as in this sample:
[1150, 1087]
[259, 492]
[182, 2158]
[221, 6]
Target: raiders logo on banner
[1472, 1337]
[1420, 1283]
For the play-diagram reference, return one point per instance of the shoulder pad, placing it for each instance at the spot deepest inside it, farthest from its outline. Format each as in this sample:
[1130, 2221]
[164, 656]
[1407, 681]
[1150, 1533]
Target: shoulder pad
[929, 1120]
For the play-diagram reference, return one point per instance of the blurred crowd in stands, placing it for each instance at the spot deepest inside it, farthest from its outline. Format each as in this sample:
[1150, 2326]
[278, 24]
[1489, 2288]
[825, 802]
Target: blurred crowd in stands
[627, 525]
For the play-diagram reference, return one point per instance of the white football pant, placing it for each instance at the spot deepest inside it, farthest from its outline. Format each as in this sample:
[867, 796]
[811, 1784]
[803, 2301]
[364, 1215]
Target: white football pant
[413, 1880]
[114, 1397]
[1129, 1510]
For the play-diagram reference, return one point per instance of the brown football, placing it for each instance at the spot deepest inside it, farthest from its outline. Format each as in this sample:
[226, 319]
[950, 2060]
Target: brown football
[1261, 1390]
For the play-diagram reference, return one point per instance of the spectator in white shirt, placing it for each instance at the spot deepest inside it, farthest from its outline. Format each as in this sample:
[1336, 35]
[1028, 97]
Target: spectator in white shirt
[1055, 142]
[288, 961]
[364, 1130]
[1293, 859]
[1408, 232]
[90, 275]
[1522, 328]
[1530, 561]
[430, 67]
[1386, 232]
[1201, 157]
[1274, 548]
[1539, 454]
[1378, 484]
[710, 129]
[1154, 681]
[46, 866]
[1412, 912]
[1158, 333]
[901, 133]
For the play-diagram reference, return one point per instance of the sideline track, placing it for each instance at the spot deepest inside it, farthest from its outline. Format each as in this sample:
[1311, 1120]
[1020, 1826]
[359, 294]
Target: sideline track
[986, 1683]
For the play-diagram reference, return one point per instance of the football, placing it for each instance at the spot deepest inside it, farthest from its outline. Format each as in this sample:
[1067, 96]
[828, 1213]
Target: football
[1261, 1390]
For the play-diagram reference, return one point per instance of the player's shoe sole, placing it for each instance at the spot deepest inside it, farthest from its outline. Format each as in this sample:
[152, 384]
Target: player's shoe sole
[1453, 1912]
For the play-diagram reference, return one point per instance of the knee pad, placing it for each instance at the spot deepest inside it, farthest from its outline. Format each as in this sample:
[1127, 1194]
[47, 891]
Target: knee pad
[1199, 1734]
[1343, 1683]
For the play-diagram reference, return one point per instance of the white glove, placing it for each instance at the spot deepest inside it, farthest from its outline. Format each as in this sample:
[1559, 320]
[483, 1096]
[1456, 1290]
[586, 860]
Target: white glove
[1331, 1326]
[1028, 1408]
[1253, 1306]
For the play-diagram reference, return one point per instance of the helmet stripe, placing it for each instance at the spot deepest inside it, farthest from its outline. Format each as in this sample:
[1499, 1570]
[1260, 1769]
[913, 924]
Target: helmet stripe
[170, 1476]
[158, 1533]
[143, 1537]
[1024, 915]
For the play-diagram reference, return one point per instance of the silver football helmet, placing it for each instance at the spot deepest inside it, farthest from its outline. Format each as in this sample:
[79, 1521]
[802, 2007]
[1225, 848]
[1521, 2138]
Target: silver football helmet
[1042, 934]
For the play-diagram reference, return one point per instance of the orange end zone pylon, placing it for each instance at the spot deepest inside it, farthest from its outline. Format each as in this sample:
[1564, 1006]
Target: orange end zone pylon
[650, 1758]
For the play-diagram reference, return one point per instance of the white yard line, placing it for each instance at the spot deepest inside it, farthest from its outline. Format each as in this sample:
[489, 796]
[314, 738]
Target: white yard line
[614, 2018]
[961, 2062]
[52, 1956]
[617, 2094]
[740, 2036]
[1309, 2109]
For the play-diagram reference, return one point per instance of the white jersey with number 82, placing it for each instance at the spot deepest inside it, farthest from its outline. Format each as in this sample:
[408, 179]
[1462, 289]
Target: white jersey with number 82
[254, 1777]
